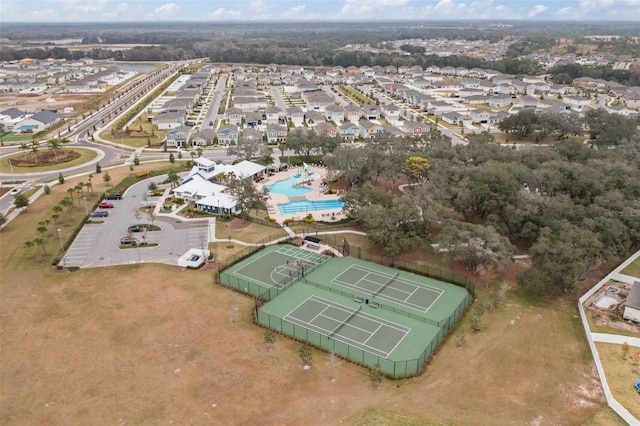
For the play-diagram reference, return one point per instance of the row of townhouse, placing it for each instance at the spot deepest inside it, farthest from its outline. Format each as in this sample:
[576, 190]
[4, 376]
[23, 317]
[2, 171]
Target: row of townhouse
[230, 134]
[15, 120]
[172, 111]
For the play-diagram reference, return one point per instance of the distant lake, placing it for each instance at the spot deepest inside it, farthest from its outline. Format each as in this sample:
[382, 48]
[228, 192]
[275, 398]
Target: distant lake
[141, 68]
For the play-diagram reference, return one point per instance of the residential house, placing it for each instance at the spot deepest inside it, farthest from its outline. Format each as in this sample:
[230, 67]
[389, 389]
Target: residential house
[349, 131]
[314, 117]
[274, 115]
[371, 112]
[10, 117]
[177, 137]
[455, 118]
[253, 120]
[276, 133]
[369, 130]
[203, 137]
[233, 116]
[391, 113]
[38, 122]
[415, 128]
[334, 113]
[353, 113]
[252, 134]
[500, 101]
[168, 120]
[295, 115]
[325, 129]
[228, 135]
[577, 103]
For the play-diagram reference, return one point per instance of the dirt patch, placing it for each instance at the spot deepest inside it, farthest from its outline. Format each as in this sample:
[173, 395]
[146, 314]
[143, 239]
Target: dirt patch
[237, 223]
[57, 101]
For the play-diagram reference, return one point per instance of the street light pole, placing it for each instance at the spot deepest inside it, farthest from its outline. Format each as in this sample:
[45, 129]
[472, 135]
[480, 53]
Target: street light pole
[61, 248]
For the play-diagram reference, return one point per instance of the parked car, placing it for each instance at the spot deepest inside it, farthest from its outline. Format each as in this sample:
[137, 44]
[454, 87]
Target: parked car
[128, 241]
[190, 123]
[113, 197]
[104, 205]
[14, 192]
[136, 228]
[99, 213]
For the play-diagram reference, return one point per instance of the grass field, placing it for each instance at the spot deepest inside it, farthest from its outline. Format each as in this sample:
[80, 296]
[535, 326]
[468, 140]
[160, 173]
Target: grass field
[633, 269]
[621, 374]
[151, 344]
[153, 134]
[85, 155]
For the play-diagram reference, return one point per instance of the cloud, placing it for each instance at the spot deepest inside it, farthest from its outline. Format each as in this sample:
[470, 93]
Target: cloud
[537, 9]
[258, 6]
[565, 11]
[222, 13]
[359, 9]
[81, 6]
[165, 11]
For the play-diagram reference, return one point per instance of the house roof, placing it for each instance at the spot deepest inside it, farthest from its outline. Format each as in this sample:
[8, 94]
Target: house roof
[13, 113]
[45, 116]
[219, 199]
[200, 186]
[633, 300]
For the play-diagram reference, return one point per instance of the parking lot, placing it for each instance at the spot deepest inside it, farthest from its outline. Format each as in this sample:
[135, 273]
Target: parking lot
[98, 243]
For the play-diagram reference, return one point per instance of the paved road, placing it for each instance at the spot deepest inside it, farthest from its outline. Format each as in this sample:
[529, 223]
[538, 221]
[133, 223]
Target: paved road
[277, 96]
[214, 107]
[98, 244]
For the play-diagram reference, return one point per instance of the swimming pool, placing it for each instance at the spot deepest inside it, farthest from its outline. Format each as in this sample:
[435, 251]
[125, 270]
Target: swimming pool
[305, 206]
[285, 187]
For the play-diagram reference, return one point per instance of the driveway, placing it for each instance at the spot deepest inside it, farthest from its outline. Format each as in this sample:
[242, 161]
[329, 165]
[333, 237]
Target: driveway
[98, 244]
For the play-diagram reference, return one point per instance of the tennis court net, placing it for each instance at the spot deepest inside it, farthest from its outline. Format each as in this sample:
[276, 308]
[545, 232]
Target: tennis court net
[385, 285]
[343, 323]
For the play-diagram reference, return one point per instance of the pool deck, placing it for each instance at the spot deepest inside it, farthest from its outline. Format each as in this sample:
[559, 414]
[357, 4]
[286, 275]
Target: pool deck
[316, 194]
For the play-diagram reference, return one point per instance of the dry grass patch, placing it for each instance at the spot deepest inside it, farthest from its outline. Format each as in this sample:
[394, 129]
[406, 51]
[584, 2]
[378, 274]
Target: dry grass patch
[622, 374]
[251, 233]
[633, 269]
[151, 344]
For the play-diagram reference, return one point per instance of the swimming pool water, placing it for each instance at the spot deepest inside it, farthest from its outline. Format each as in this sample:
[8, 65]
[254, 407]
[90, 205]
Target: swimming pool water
[305, 206]
[285, 187]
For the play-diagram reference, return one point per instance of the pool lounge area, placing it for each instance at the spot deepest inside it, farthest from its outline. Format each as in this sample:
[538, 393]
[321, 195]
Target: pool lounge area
[294, 195]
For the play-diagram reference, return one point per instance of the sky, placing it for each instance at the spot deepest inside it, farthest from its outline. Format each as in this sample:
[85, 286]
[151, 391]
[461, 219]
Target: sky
[62, 11]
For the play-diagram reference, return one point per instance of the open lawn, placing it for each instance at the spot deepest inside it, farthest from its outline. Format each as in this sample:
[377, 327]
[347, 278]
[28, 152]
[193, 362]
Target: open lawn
[622, 374]
[150, 344]
[247, 231]
[633, 269]
[142, 132]
[85, 155]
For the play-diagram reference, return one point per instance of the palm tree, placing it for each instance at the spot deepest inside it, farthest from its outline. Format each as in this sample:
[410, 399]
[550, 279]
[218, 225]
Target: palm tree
[66, 202]
[70, 191]
[24, 147]
[173, 178]
[54, 145]
[34, 149]
[89, 183]
[29, 246]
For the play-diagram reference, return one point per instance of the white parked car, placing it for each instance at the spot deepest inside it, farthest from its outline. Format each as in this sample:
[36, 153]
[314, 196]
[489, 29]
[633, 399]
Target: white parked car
[14, 192]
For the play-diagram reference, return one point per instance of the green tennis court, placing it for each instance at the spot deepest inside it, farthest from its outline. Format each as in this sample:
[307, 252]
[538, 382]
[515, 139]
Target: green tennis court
[272, 268]
[349, 325]
[366, 312]
[388, 286]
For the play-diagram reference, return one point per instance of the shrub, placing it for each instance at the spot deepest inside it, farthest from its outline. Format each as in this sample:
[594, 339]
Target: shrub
[289, 220]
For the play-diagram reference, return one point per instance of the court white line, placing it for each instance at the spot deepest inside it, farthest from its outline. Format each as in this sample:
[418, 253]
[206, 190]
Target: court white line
[371, 335]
